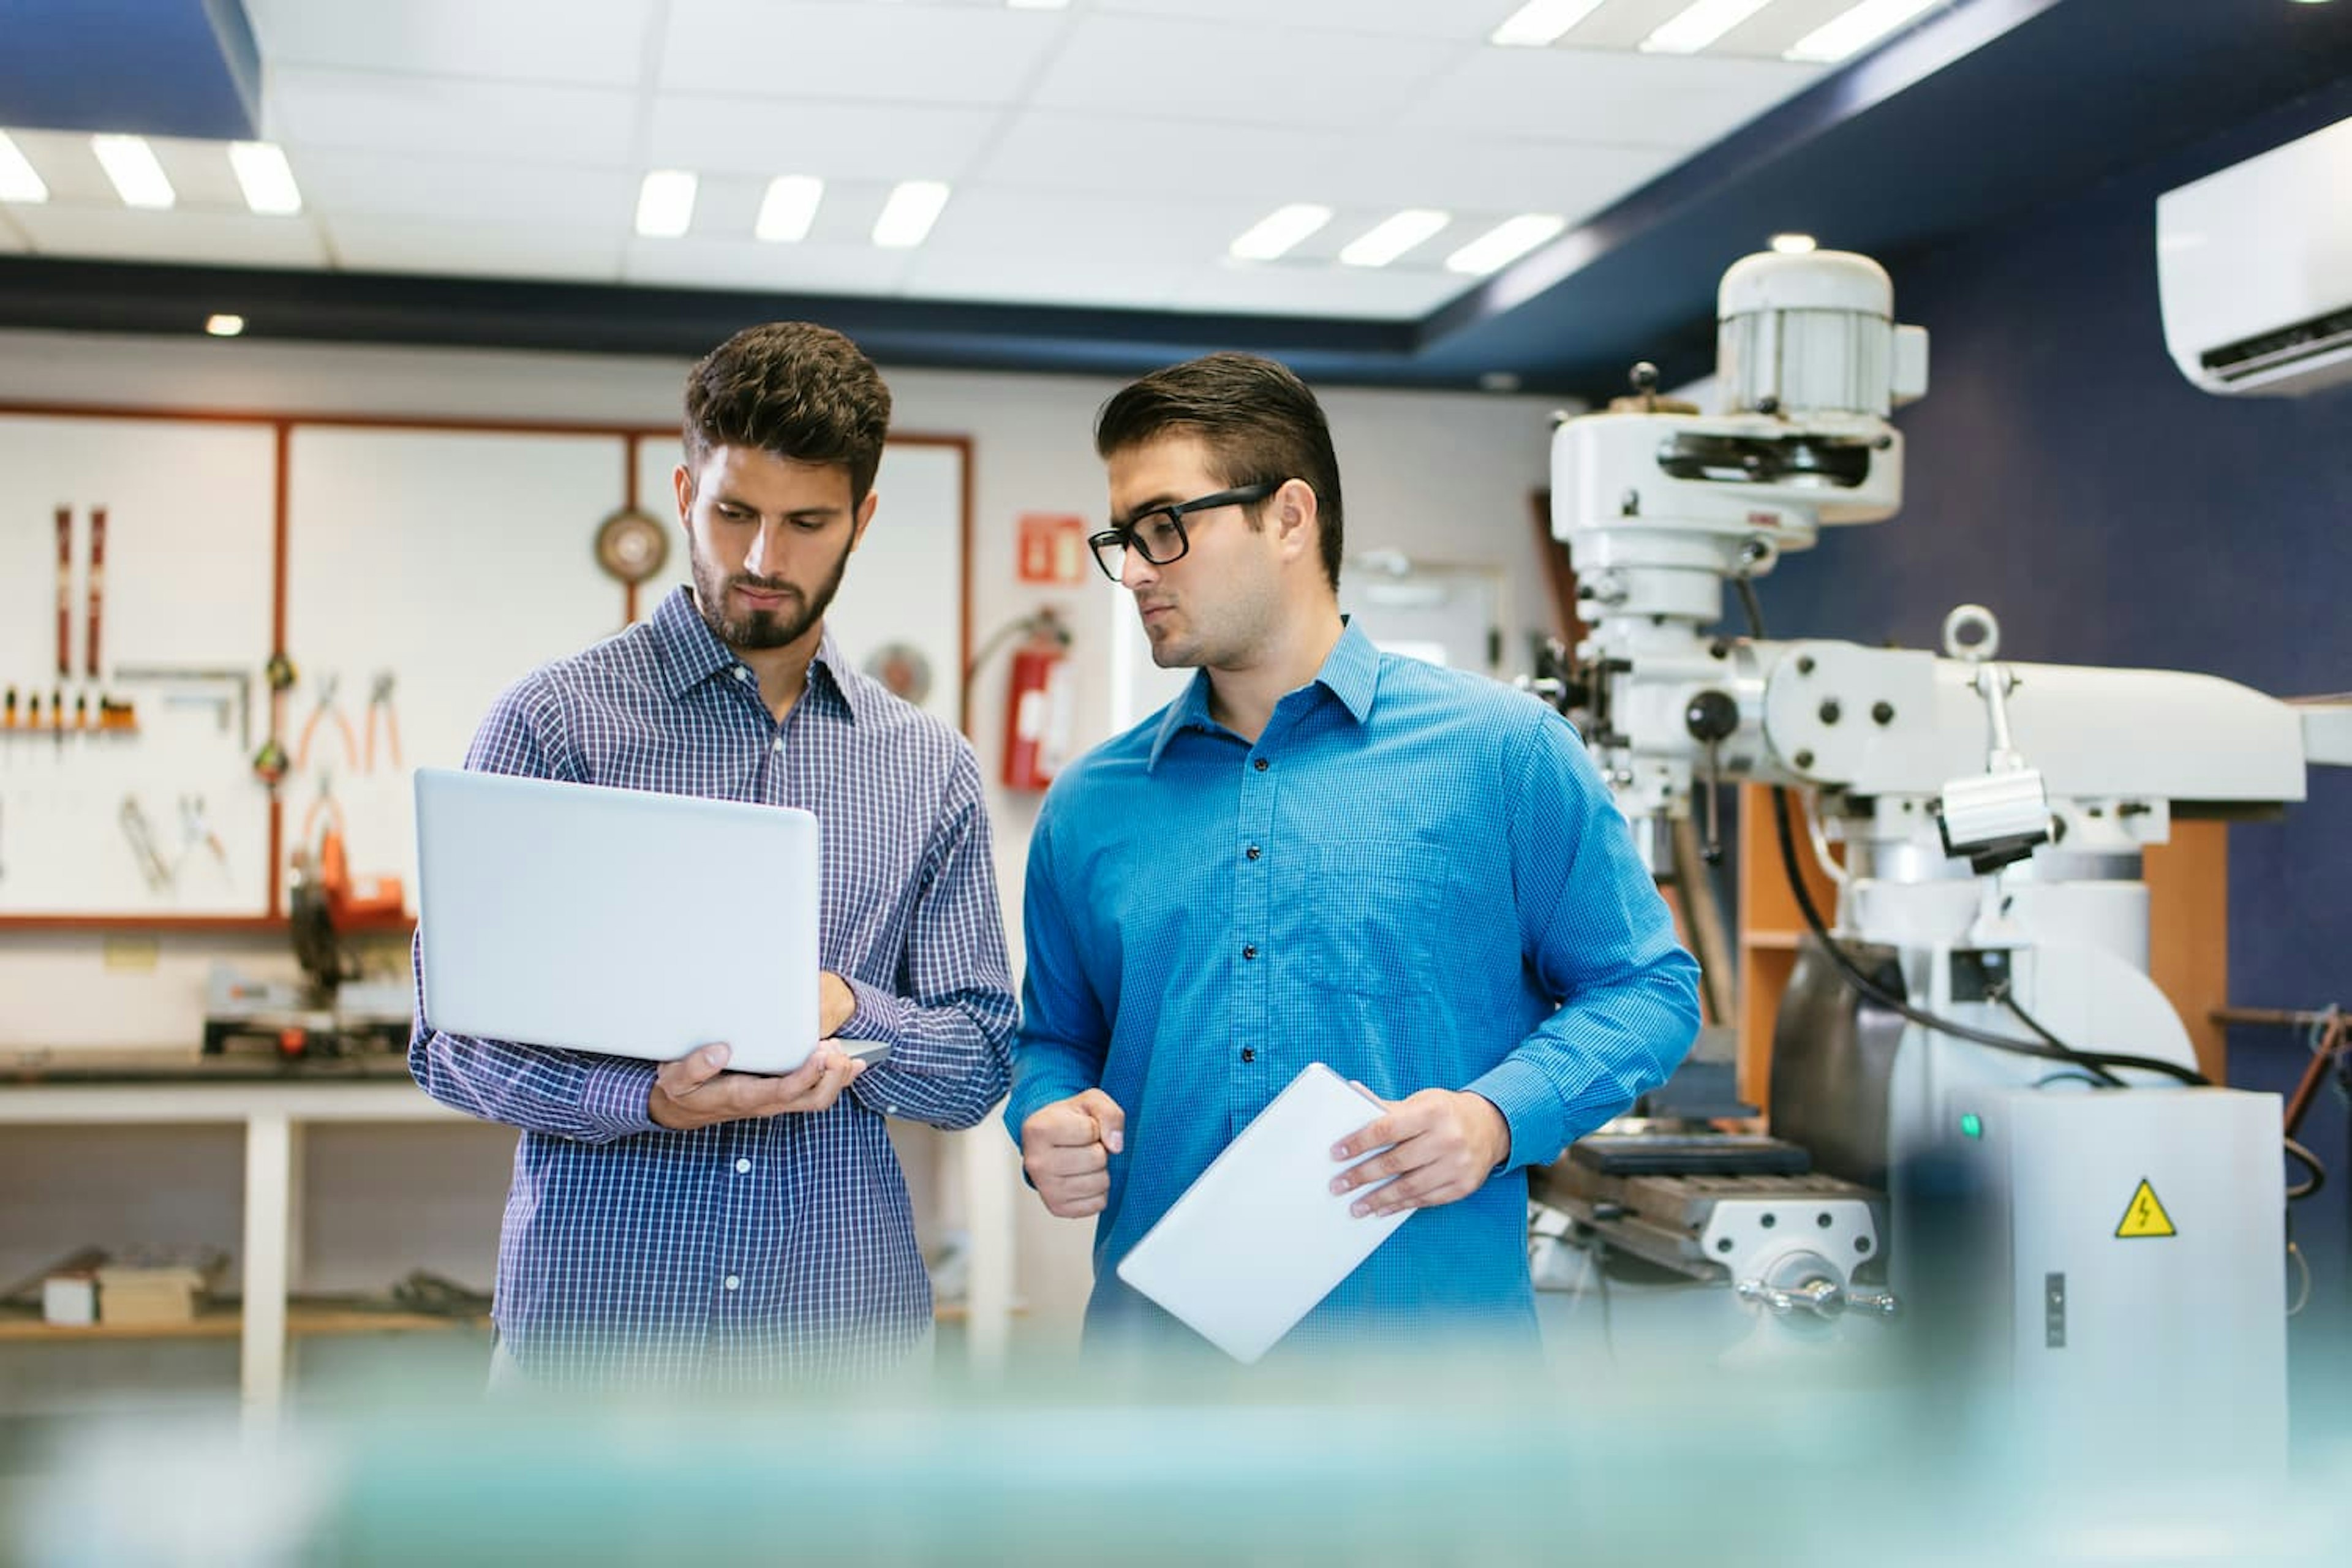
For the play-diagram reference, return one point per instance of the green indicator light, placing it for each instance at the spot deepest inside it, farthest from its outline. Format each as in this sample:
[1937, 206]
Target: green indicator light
[1971, 1127]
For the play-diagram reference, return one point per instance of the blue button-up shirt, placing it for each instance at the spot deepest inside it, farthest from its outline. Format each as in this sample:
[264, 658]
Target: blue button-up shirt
[1415, 875]
[782, 1247]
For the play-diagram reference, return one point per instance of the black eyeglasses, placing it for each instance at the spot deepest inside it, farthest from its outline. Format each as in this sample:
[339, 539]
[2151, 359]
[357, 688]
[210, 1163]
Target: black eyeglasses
[1157, 533]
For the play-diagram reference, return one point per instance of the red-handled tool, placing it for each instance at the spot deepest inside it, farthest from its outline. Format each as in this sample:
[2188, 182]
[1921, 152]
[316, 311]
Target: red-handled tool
[96, 577]
[65, 591]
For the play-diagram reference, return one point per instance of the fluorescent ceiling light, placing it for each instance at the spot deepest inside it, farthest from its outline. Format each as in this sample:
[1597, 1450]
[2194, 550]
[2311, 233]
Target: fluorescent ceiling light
[225, 326]
[262, 173]
[665, 204]
[1392, 238]
[1537, 24]
[906, 217]
[130, 164]
[1848, 32]
[1504, 243]
[1279, 230]
[17, 181]
[788, 207]
[1695, 26]
[1793, 244]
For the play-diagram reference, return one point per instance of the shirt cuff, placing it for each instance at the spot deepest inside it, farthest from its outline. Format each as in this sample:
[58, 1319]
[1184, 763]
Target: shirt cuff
[617, 1099]
[879, 1015]
[1531, 1109]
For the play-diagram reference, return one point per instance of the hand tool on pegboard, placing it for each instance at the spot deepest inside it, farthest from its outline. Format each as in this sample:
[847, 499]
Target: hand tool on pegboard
[270, 763]
[65, 592]
[327, 707]
[380, 704]
[96, 577]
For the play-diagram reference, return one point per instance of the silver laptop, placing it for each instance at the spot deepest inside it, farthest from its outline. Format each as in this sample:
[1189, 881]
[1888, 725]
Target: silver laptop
[617, 920]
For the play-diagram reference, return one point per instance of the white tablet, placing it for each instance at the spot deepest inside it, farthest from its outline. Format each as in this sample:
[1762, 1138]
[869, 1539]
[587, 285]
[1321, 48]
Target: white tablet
[1260, 1238]
[615, 920]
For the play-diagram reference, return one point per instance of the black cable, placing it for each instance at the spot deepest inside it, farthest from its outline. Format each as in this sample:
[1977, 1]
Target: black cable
[2190, 1076]
[2310, 1162]
[1870, 990]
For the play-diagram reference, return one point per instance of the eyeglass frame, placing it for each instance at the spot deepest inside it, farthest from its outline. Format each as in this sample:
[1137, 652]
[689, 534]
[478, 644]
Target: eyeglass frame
[1126, 537]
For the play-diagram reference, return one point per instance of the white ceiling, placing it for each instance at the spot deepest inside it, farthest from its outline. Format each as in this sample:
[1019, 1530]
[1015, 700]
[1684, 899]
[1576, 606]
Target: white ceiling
[1104, 154]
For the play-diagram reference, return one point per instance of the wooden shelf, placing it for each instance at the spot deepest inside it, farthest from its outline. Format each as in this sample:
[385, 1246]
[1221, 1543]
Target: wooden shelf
[224, 1322]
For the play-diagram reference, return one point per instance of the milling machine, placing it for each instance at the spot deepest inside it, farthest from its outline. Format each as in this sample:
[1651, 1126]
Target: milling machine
[1981, 1106]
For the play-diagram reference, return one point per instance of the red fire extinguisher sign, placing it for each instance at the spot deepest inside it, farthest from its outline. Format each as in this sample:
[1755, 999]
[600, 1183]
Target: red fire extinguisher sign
[1052, 548]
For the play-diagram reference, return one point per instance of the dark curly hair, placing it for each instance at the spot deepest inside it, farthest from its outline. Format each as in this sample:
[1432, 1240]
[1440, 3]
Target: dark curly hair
[793, 389]
[1257, 419]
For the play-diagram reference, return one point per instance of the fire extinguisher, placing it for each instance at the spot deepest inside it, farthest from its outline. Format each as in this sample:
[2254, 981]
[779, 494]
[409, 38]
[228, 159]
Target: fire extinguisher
[1038, 708]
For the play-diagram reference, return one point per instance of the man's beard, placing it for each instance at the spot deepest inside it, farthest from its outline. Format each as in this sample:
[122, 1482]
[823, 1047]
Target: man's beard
[762, 628]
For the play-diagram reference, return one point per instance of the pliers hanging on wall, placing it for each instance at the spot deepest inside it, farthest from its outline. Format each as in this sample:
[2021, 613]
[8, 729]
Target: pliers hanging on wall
[379, 701]
[326, 706]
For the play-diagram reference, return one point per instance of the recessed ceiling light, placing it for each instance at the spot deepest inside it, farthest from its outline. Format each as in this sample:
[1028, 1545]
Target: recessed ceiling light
[1793, 244]
[130, 164]
[1504, 243]
[223, 326]
[1695, 26]
[788, 207]
[1386, 241]
[19, 182]
[263, 174]
[1848, 32]
[665, 204]
[1279, 230]
[906, 217]
[1537, 24]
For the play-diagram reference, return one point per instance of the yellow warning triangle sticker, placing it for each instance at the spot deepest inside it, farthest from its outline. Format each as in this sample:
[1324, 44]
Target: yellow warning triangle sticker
[2145, 1217]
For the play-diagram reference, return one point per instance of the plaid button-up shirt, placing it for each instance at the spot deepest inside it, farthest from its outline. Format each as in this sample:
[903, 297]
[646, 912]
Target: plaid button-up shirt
[774, 1248]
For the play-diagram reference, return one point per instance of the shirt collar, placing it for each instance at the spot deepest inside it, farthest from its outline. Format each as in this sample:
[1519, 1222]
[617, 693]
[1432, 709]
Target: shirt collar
[691, 653]
[1350, 672]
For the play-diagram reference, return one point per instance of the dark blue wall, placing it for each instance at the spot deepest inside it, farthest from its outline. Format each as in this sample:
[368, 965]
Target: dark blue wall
[2063, 472]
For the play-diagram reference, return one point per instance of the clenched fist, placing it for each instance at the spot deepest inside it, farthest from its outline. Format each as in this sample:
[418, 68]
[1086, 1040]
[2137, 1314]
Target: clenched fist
[1066, 1147]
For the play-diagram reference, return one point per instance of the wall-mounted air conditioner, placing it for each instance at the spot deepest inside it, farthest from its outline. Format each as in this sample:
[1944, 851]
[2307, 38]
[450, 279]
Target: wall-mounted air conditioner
[2255, 267]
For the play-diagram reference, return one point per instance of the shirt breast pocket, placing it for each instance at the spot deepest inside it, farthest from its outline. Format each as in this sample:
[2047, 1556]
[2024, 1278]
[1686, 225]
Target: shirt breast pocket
[1374, 916]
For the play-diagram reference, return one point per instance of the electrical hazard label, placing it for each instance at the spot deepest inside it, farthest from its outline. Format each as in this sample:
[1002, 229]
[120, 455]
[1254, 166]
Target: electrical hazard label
[2145, 1217]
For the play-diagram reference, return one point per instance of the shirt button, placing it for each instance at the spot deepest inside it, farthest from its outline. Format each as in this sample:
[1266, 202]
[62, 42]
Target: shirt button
[1248, 952]
[734, 1282]
[741, 1166]
[1249, 1052]
[778, 744]
[741, 673]
[1252, 851]
[1259, 764]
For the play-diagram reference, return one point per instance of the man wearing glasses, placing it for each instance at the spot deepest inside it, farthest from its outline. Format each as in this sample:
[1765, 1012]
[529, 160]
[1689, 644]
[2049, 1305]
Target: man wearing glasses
[1320, 852]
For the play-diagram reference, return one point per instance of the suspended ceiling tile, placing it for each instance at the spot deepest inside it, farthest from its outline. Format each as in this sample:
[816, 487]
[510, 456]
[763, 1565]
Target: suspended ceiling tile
[1152, 68]
[66, 164]
[440, 248]
[591, 42]
[832, 141]
[1135, 283]
[1066, 225]
[1456, 20]
[853, 53]
[1124, 154]
[809, 267]
[1463, 174]
[1306, 290]
[523, 120]
[1610, 100]
[207, 238]
[465, 190]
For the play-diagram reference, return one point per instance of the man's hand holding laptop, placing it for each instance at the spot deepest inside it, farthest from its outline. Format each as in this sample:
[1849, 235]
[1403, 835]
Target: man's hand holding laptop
[696, 1090]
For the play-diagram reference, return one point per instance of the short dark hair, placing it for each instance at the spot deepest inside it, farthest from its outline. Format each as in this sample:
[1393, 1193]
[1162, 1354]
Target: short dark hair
[794, 389]
[1257, 419]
